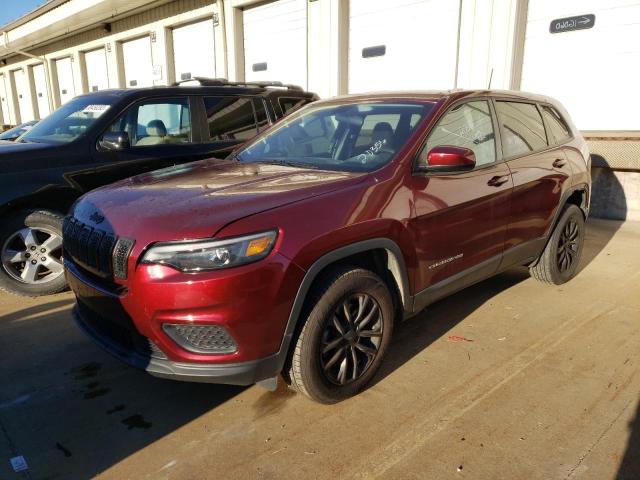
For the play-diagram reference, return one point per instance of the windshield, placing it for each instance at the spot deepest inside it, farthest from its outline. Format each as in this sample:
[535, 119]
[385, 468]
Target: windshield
[69, 122]
[359, 137]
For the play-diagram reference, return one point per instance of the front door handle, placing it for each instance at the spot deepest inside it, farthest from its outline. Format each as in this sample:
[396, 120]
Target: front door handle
[498, 180]
[559, 163]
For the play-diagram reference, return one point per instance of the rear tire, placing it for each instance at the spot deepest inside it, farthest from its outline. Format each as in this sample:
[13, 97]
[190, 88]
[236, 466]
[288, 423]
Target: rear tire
[345, 335]
[560, 259]
[31, 253]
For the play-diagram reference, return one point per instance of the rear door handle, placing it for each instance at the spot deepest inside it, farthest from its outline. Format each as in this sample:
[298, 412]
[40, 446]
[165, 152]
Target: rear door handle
[498, 180]
[559, 162]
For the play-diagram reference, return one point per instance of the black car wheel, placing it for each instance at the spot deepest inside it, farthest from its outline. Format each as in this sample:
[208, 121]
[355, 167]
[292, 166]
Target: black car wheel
[560, 259]
[347, 329]
[31, 254]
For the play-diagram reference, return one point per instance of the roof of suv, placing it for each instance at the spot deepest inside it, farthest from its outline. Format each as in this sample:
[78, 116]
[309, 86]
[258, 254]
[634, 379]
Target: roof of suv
[212, 86]
[430, 95]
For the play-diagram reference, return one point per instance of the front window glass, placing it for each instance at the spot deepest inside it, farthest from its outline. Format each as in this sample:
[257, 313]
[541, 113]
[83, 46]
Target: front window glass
[354, 137]
[70, 121]
[160, 122]
[468, 125]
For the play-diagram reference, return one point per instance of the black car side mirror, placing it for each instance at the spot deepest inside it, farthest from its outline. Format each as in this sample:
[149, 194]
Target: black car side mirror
[115, 141]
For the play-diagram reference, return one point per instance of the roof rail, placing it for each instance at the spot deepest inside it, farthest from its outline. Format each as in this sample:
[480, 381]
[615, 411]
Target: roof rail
[223, 82]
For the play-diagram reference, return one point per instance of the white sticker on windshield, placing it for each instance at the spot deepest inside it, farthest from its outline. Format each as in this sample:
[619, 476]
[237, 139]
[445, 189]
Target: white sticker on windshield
[97, 110]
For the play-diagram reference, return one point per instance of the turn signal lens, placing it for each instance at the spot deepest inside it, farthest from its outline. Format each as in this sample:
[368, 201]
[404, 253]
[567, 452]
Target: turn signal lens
[259, 245]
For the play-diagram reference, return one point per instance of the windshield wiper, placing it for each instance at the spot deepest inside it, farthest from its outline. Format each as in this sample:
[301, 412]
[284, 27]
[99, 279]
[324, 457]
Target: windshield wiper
[290, 163]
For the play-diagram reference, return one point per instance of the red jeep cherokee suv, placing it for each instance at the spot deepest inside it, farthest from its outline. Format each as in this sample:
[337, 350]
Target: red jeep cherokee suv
[298, 254]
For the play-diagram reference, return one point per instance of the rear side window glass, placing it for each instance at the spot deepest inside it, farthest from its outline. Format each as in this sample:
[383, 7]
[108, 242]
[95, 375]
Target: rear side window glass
[522, 128]
[468, 125]
[261, 114]
[559, 129]
[230, 118]
[288, 105]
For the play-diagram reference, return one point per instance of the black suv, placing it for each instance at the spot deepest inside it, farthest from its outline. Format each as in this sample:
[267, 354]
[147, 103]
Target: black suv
[101, 137]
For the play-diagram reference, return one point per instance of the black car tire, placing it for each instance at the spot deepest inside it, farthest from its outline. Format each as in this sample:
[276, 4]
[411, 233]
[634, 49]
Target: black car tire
[46, 226]
[367, 324]
[560, 259]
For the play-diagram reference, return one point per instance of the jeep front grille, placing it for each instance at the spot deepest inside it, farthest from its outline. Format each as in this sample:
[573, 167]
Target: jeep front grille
[96, 250]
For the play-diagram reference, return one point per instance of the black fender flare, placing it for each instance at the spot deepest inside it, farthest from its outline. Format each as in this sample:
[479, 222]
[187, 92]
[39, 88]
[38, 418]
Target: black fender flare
[396, 265]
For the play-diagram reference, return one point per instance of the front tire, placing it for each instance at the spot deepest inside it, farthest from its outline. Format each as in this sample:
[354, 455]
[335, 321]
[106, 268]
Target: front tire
[345, 335]
[31, 253]
[560, 259]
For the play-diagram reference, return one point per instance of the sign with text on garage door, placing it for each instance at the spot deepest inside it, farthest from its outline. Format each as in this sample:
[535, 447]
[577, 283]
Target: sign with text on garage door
[569, 24]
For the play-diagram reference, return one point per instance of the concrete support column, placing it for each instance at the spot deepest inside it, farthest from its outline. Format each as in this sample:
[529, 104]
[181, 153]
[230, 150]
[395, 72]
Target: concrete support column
[12, 99]
[491, 43]
[328, 47]
[162, 56]
[234, 38]
[78, 67]
[115, 64]
[220, 39]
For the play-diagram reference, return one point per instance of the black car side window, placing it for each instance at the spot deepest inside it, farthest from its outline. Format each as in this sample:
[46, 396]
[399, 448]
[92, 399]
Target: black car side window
[156, 122]
[230, 118]
[468, 125]
[261, 114]
[289, 105]
[521, 127]
[557, 125]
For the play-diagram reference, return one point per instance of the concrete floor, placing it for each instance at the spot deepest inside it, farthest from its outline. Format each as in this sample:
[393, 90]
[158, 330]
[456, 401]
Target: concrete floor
[548, 388]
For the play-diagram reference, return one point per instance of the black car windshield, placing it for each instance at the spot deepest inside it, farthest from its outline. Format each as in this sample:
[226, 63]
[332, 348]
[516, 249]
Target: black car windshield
[69, 121]
[358, 137]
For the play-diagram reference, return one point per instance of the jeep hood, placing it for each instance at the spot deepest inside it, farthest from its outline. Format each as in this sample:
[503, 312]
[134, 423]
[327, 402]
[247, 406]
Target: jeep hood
[196, 200]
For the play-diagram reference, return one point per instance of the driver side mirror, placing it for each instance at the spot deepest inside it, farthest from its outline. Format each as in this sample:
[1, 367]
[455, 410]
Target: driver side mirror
[447, 158]
[115, 141]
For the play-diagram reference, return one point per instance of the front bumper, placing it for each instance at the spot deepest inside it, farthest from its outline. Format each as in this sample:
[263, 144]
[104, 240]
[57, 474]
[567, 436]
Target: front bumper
[157, 364]
[251, 303]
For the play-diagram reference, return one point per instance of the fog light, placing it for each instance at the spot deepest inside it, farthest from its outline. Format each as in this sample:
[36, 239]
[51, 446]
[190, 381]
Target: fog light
[201, 338]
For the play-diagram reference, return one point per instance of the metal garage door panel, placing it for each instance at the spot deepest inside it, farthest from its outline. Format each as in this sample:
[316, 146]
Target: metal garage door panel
[405, 44]
[66, 87]
[97, 74]
[593, 72]
[194, 62]
[275, 42]
[42, 95]
[138, 67]
[4, 100]
[24, 98]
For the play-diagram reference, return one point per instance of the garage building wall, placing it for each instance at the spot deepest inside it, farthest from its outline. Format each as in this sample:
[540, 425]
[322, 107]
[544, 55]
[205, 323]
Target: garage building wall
[320, 44]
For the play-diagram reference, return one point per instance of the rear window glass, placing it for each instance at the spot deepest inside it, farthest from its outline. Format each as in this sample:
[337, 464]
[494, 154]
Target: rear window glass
[288, 105]
[230, 118]
[521, 127]
[559, 129]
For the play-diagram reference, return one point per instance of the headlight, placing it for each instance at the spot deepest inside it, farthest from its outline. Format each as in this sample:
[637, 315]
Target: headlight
[212, 254]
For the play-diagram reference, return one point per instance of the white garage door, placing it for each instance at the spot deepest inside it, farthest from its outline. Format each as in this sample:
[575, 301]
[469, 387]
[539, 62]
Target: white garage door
[138, 67]
[194, 62]
[42, 95]
[24, 98]
[4, 100]
[593, 72]
[404, 44]
[275, 42]
[66, 87]
[97, 74]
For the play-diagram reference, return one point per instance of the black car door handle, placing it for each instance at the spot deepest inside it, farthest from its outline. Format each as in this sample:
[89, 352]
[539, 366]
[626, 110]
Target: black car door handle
[559, 163]
[497, 181]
